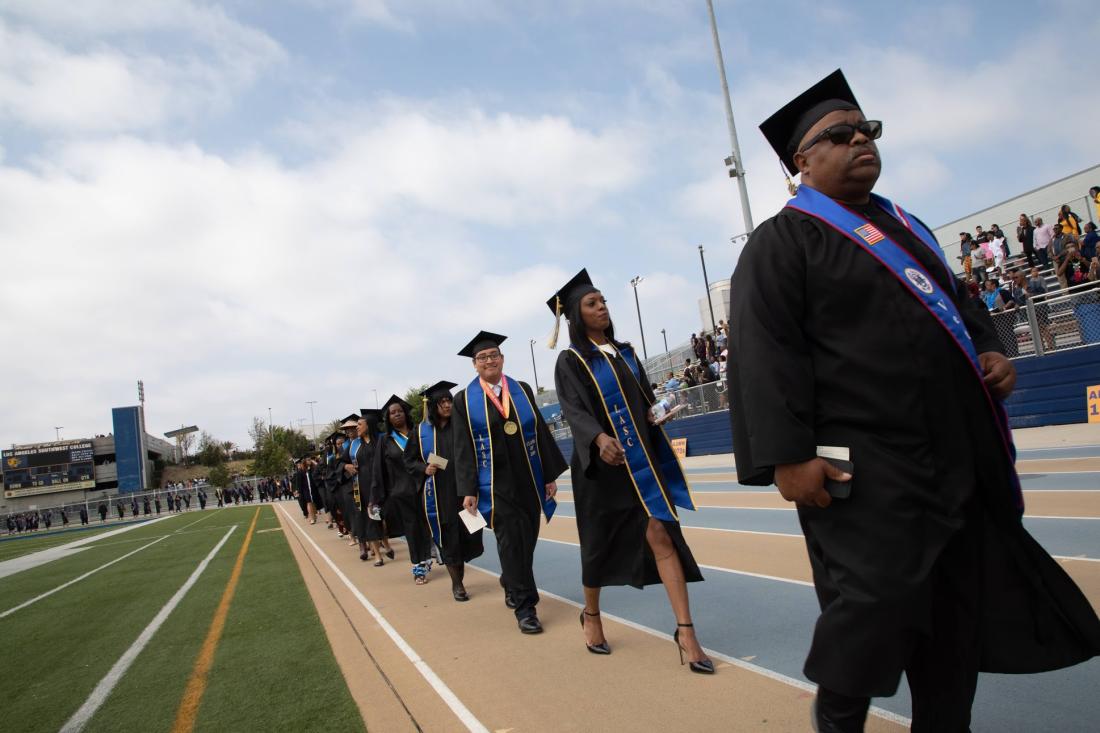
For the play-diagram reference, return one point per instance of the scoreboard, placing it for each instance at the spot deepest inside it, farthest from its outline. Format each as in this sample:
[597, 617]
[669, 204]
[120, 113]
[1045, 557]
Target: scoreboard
[48, 467]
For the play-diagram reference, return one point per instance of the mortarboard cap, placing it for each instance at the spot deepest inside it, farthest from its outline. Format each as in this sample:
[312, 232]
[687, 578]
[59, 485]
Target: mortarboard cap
[567, 296]
[395, 400]
[438, 389]
[786, 128]
[335, 436]
[372, 415]
[484, 340]
[350, 421]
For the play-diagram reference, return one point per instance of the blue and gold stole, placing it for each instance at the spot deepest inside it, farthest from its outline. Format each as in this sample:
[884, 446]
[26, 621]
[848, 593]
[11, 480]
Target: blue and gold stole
[353, 448]
[917, 282]
[431, 497]
[477, 415]
[659, 497]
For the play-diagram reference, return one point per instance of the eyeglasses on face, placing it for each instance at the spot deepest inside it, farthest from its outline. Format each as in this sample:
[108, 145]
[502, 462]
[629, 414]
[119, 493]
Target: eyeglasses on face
[486, 358]
[843, 134]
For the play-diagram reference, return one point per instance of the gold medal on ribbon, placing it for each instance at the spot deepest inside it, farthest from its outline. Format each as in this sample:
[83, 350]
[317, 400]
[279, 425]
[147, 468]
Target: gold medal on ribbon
[510, 427]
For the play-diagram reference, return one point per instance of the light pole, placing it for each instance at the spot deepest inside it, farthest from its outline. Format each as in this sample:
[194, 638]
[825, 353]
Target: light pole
[533, 367]
[270, 426]
[375, 398]
[312, 420]
[57, 432]
[706, 284]
[665, 337]
[634, 283]
[734, 161]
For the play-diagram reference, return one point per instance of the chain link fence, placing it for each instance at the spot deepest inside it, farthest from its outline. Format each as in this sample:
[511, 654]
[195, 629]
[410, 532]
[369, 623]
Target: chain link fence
[1066, 319]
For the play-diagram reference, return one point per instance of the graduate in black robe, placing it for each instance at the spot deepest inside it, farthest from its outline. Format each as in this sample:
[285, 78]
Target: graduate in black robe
[925, 567]
[517, 501]
[399, 490]
[303, 485]
[457, 545]
[627, 523]
[347, 483]
[356, 467]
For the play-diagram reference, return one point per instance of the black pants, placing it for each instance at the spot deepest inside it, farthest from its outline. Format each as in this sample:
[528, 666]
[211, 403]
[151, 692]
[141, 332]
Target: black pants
[516, 536]
[302, 501]
[943, 668]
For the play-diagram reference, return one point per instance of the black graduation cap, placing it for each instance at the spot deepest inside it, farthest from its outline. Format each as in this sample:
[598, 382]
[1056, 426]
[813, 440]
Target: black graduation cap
[439, 389]
[335, 436]
[372, 415]
[394, 400]
[484, 340]
[567, 296]
[352, 418]
[785, 129]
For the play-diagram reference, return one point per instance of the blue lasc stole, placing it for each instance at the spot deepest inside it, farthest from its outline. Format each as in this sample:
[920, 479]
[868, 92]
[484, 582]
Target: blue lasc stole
[352, 450]
[917, 282]
[431, 497]
[477, 413]
[660, 491]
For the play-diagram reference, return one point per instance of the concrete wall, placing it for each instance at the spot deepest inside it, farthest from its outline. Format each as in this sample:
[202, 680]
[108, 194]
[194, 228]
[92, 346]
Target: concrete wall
[1044, 201]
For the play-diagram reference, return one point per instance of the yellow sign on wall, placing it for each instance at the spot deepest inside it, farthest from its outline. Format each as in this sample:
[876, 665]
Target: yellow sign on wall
[680, 446]
[1092, 402]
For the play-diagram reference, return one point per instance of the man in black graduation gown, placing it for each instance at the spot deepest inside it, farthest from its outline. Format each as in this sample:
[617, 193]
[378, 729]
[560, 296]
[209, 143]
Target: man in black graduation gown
[516, 500]
[925, 566]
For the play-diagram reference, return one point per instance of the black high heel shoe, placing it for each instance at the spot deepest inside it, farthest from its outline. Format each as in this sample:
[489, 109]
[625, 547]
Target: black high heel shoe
[704, 667]
[602, 647]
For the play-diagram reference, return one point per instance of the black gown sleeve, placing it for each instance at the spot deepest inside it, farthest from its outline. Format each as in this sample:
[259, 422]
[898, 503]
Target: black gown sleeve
[577, 407]
[380, 480]
[465, 457]
[769, 368]
[411, 456]
[553, 462]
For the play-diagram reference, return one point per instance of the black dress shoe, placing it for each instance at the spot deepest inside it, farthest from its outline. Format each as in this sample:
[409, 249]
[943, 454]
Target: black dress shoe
[509, 601]
[460, 594]
[530, 625]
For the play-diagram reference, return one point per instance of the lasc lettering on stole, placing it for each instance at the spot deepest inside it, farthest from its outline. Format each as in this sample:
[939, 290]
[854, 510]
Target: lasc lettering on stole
[625, 428]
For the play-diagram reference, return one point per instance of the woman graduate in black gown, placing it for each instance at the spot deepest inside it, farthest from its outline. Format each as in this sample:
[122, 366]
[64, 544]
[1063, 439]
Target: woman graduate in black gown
[627, 482]
[402, 489]
[369, 530]
[440, 499]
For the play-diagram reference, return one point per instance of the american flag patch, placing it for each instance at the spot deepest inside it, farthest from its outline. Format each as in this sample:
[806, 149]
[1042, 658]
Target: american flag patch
[870, 234]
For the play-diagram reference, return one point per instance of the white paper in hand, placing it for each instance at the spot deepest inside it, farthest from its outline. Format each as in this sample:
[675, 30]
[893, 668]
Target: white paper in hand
[473, 522]
[438, 461]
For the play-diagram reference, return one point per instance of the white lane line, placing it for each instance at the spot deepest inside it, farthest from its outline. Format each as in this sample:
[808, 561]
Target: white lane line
[107, 684]
[749, 666]
[192, 524]
[79, 578]
[463, 713]
[1081, 558]
[34, 559]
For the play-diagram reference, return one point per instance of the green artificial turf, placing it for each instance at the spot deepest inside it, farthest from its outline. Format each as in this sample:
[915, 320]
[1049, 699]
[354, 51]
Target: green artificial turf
[25, 544]
[273, 670]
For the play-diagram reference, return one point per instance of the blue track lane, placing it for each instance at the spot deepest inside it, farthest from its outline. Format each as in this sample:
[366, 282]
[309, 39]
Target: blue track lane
[744, 616]
[1067, 537]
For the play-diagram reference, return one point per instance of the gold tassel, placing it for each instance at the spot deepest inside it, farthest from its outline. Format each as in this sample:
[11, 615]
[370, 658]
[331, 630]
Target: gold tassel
[424, 411]
[552, 342]
[791, 186]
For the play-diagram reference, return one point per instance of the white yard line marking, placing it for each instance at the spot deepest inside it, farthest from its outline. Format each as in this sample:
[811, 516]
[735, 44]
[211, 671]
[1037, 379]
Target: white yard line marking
[79, 578]
[770, 674]
[34, 559]
[107, 684]
[1081, 558]
[468, 719]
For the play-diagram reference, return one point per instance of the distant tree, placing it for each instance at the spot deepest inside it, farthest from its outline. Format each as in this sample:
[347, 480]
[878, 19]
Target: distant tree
[211, 452]
[271, 460]
[187, 442]
[219, 476]
[258, 432]
[412, 396]
[332, 427]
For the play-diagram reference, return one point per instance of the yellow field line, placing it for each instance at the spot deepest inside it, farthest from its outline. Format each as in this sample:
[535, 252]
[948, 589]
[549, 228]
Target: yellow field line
[196, 685]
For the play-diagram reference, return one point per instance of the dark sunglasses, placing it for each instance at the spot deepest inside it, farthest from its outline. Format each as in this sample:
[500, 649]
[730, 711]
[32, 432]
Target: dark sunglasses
[843, 134]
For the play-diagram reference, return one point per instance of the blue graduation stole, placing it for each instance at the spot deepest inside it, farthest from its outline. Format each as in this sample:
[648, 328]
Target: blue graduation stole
[353, 448]
[431, 502]
[916, 281]
[400, 439]
[477, 414]
[658, 498]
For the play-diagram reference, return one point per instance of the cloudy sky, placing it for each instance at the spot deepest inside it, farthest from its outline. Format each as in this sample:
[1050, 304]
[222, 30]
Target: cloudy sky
[250, 204]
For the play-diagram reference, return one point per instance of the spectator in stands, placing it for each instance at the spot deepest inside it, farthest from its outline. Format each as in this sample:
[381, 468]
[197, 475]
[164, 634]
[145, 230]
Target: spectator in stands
[996, 232]
[1025, 235]
[1089, 241]
[1043, 234]
[977, 256]
[721, 340]
[999, 247]
[992, 297]
[979, 234]
[1070, 222]
[972, 287]
[690, 379]
[698, 347]
[1037, 286]
[712, 350]
[1074, 267]
[1094, 196]
[966, 243]
[673, 383]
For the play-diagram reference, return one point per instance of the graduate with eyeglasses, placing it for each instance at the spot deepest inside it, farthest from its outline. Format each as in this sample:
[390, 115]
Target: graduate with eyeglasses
[507, 465]
[627, 482]
[398, 490]
[868, 386]
[433, 440]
